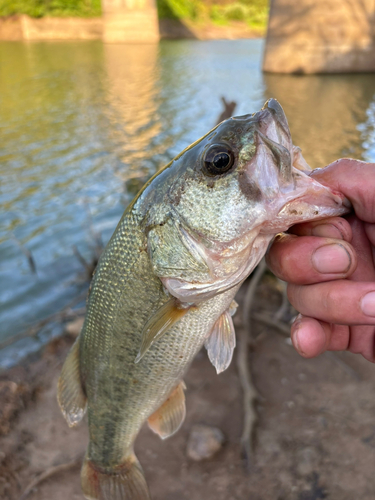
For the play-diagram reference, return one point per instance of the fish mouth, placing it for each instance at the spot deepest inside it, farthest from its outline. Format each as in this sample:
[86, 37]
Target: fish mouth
[309, 200]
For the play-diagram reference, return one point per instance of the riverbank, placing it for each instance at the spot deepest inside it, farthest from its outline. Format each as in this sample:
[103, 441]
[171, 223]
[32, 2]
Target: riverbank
[315, 438]
[22, 27]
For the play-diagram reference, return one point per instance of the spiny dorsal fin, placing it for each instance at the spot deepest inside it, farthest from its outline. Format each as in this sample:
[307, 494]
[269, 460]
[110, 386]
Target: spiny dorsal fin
[170, 416]
[70, 396]
[159, 323]
[221, 342]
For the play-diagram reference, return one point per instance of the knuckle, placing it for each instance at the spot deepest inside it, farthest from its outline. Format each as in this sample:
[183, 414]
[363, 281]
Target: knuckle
[294, 293]
[332, 301]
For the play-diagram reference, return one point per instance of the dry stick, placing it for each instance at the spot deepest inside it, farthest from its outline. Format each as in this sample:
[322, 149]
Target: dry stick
[81, 259]
[285, 301]
[273, 323]
[56, 469]
[27, 253]
[250, 394]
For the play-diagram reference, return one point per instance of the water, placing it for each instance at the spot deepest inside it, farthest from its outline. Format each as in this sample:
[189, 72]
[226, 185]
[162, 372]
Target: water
[84, 125]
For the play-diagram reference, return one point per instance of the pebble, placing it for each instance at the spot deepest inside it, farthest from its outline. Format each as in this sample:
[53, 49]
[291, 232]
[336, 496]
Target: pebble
[204, 441]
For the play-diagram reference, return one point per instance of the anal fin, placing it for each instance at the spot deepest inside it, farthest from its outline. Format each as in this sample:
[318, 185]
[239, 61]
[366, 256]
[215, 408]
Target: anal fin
[170, 416]
[70, 396]
[221, 342]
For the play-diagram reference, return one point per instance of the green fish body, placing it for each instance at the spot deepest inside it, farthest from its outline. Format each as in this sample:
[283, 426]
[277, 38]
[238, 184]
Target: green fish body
[166, 282]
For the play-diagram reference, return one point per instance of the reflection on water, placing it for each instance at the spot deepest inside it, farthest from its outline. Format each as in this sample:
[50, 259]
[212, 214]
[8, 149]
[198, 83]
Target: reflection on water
[132, 74]
[84, 125]
[324, 113]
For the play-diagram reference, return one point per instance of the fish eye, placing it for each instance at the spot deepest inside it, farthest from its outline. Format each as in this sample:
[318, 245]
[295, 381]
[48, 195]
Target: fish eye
[218, 159]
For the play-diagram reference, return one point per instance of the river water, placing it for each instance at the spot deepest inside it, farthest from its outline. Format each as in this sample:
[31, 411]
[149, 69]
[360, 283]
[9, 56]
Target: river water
[84, 125]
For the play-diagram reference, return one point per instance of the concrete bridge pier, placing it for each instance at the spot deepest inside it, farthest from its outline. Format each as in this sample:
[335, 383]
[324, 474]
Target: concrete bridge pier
[130, 21]
[320, 36]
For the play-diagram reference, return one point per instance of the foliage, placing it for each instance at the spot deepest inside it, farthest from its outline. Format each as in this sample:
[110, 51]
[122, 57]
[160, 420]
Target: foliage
[253, 12]
[177, 9]
[57, 8]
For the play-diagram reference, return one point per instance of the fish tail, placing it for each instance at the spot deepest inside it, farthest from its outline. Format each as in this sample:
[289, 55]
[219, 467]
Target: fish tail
[125, 481]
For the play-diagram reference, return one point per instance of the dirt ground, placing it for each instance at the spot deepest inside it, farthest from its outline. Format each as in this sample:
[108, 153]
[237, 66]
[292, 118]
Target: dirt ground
[315, 438]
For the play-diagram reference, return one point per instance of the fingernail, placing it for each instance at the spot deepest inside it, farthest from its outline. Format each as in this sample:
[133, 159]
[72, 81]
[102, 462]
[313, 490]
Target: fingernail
[295, 333]
[327, 231]
[368, 304]
[333, 258]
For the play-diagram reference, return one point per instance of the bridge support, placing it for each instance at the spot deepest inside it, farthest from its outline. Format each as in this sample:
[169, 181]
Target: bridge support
[130, 21]
[320, 36]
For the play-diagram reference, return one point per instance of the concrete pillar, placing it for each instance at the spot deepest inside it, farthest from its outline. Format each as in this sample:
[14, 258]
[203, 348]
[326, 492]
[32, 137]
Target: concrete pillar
[320, 36]
[130, 21]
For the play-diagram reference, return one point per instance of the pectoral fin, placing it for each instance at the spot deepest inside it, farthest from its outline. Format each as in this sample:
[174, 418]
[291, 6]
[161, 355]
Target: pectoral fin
[221, 342]
[170, 416]
[159, 323]
[70, 394]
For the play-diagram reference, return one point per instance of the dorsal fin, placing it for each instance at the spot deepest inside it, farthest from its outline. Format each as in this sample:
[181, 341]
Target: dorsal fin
[70, 395]
[221, 342]
[170, 416]
[159, 323]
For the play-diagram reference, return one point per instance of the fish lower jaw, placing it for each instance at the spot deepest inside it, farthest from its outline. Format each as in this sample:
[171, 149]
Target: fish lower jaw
[307, 208]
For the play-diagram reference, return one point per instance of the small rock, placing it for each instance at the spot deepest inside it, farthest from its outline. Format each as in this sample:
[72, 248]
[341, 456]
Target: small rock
[204, 441]
[74, 327]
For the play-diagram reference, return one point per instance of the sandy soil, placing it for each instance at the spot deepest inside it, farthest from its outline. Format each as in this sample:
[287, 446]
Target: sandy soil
[315, 438]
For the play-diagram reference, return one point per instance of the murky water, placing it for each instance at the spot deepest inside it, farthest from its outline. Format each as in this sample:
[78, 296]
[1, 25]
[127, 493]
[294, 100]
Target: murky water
[83, 125]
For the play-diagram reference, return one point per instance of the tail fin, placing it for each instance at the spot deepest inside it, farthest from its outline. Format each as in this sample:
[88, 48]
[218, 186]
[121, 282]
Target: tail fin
[124, 482]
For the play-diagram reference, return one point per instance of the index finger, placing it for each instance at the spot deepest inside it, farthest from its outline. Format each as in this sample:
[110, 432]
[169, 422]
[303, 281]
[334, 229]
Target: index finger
[356, 180]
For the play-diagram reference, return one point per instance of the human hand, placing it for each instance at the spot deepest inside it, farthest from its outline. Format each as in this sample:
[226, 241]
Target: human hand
[330, 268]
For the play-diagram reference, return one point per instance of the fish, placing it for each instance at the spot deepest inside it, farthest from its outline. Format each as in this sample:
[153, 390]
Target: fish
[165, 286]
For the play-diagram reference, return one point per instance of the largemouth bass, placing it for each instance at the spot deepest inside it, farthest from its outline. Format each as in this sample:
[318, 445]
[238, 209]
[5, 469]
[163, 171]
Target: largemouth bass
[166, 282]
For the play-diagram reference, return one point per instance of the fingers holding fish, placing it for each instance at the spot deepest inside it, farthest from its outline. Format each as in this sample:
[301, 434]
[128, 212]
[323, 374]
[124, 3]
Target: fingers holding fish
[312, 337]
[311, 259]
